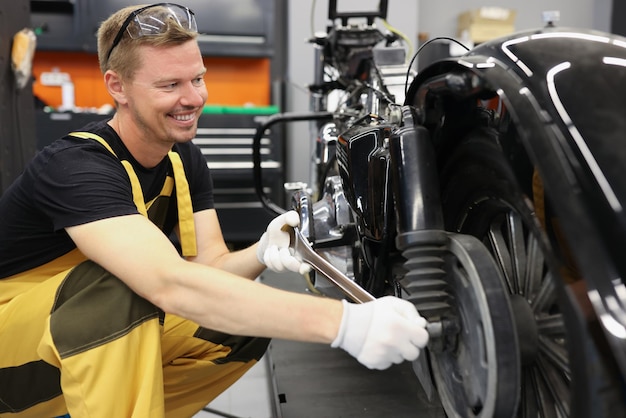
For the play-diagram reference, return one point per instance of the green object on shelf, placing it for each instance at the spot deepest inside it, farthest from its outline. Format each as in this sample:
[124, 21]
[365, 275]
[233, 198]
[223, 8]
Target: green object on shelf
[240, 110]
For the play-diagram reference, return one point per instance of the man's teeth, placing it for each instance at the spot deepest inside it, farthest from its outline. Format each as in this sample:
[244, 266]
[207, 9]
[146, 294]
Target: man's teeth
[184, 117]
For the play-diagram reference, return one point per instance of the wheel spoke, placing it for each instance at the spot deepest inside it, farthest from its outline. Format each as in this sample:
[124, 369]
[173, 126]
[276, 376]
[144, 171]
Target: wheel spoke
[556, 354]
[534, 269]
[551, 325]
[545, 296]
[529, 398]
[515, 230]
[501, 253]
[537, 403]
[558, 385]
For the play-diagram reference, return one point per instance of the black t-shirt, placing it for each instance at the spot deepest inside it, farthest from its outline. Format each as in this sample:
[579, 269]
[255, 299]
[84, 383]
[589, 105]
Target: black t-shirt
[75, 181]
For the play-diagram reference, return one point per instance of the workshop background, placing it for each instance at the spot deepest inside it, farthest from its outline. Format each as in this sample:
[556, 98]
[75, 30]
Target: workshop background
[249, 78]
[259, 63]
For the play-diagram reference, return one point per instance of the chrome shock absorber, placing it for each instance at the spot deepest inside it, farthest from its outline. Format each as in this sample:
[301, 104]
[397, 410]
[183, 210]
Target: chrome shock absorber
[421, 236]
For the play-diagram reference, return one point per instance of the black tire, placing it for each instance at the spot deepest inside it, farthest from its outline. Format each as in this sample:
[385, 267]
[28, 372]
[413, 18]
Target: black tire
[563, 371]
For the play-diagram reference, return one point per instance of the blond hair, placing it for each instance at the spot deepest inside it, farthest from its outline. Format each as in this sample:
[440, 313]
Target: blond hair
[124, 57]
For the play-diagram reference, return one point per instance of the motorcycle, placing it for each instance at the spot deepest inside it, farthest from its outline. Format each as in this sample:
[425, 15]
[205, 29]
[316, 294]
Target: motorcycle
[488, 190]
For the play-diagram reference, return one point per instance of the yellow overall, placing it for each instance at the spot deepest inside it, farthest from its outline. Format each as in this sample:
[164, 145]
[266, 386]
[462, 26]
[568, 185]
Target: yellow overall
[74, 338]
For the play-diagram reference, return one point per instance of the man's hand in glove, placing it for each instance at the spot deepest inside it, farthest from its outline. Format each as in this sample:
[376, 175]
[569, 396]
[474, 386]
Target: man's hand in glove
[273, 249]
[382, 332]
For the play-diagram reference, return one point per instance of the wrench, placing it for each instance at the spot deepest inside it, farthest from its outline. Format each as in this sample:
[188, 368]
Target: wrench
[302, 249]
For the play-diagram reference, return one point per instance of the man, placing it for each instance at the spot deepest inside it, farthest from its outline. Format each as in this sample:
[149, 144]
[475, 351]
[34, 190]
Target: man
[100, 313]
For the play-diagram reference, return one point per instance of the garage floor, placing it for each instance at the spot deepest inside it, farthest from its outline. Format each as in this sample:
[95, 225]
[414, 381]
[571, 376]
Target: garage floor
[315, 381]
[300, 380]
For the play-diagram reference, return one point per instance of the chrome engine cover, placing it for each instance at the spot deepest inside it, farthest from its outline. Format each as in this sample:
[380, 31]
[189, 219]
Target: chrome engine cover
[323, 222]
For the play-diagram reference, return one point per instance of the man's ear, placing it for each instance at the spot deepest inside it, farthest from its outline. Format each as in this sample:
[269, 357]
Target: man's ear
[115, 86]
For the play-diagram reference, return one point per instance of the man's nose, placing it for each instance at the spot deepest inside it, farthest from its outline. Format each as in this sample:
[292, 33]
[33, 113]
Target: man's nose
[193, 95]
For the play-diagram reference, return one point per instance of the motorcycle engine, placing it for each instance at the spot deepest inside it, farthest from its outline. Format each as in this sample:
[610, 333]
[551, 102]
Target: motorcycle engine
[363, 162]
[347, 214]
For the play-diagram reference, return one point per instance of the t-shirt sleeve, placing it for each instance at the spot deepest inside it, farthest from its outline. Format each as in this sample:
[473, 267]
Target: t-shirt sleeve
[83, 184]
[200, 183]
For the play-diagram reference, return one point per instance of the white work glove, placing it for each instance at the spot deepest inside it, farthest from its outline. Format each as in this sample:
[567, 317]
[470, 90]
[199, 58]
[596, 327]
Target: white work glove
[273, 249]
[385, 331]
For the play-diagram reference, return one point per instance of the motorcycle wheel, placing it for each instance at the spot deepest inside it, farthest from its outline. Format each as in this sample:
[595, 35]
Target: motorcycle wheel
[561, 372]
[477, 371]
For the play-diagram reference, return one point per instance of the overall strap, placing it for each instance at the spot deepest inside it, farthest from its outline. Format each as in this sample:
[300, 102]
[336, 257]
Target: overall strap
[186, 224]
[183, 196]
[134, 181]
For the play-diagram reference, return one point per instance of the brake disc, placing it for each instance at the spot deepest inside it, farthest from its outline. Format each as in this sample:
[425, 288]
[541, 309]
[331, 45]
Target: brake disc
[479, 376]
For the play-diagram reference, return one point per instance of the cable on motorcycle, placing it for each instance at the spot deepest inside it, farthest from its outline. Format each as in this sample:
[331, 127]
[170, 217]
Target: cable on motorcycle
[430, 41]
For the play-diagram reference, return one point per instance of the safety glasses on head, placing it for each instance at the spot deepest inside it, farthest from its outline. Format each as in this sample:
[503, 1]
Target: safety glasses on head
[153, 20]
